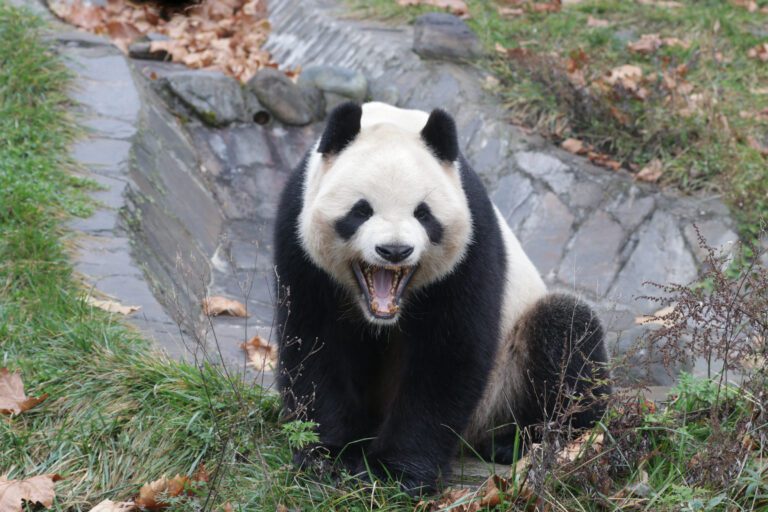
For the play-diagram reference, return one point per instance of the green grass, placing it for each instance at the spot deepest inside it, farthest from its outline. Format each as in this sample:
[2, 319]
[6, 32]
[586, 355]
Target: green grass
[706, 147]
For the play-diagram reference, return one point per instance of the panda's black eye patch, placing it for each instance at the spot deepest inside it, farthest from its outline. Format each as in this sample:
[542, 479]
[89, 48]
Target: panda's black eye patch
[431, 225]
[348, 225]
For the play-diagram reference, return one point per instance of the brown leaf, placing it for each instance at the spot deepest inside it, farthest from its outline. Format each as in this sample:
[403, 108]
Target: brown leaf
[114, 506]
[151, 494]
[749, 5]
[215, 306]
[597, 22]
[648, 43]
[553, 6]
[577, 447]
[510, 12]
[603, 160]
[112, 306]
[651, 172]
[757, 145]
[628, 76]
[674, 41]
[261, 355]
[759, 52]
[574, 146]
[122, 33]
[13, 400]
[38, 489]
[457, 7]
[669, 4]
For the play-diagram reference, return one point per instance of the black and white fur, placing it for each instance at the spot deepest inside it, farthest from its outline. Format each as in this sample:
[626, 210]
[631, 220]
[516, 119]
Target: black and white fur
[474, 348]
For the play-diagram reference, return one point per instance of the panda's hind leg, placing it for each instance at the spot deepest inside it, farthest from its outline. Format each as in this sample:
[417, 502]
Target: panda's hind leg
[561, 358]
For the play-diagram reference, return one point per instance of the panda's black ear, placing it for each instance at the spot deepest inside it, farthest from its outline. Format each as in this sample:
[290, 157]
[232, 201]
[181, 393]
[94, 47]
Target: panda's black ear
[439, 134]
[342, 127]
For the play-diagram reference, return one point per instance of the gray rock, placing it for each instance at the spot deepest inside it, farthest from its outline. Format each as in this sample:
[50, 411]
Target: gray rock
[215, 98]
[384, 92]
[592, 260]
[557, 175]
[143, 50]
[661, 256]
[283, 98]
[444, 36]
[345, 82]
[333, 100]
[545, 233]
[631, 209]
[716, 234]
[254, 110]
[314, 98]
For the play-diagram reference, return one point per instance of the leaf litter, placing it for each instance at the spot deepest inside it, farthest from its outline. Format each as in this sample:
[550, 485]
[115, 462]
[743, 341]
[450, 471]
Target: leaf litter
[224, 35]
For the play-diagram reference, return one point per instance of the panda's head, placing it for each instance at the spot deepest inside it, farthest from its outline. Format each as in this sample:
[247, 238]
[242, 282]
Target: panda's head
[384, 210]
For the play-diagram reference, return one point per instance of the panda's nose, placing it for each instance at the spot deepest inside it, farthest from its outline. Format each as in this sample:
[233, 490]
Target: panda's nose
[394, 253]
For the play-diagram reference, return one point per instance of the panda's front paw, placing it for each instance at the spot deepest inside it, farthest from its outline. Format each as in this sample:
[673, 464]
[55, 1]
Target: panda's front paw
[314, 458]
[414, 478]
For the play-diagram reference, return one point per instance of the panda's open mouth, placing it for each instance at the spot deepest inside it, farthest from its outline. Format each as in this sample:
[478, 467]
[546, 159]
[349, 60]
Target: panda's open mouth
[382, 287]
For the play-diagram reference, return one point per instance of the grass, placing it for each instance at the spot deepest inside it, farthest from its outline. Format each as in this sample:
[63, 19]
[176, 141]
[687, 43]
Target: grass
[119, 414]
[703, 127]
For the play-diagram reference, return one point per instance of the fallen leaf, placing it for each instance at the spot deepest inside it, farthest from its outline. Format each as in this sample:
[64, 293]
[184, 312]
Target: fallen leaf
[261, 355]
[757, 145]
[457, 7]
[114, 506]
[597, 22]
[675, 41]
[657, 318]
[574, 146]
[603, 160]
[577, 447]
[111, 306]
[669, 4]
[151, 494]
[37, 489]
[215, 306]
[759, 52]
[510, 11]
[749, 5]
[553, 6]
[627, 76]
[651, 172]
[648, 43]
[13, 400]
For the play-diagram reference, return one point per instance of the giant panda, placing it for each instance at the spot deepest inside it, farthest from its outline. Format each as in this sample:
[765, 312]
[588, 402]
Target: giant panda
[409, 318]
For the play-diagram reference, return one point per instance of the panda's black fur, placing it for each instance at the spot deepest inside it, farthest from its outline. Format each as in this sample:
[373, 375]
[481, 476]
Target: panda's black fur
[397, 399]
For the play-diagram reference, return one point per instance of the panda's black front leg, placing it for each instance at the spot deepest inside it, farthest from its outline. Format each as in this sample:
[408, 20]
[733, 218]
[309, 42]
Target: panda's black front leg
[326, 384]
[441, 385]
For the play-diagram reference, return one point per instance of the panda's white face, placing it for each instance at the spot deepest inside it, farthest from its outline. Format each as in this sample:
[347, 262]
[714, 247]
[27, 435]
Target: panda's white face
[384, 217]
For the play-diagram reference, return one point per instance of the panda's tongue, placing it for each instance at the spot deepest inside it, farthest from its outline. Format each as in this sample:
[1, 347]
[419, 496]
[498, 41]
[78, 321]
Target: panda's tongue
[383, 297]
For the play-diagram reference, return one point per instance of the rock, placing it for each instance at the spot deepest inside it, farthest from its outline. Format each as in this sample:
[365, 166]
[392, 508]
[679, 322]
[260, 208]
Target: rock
[142, 50]
[716, 234]
[385, 93]
[661, 257]
[333, 100]
[315, 99]
[444, 36]
[215, 98]
[593, 258]
[254, 110]
[340, 81]
[557, 175]
[284, 99]
[546, 232]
